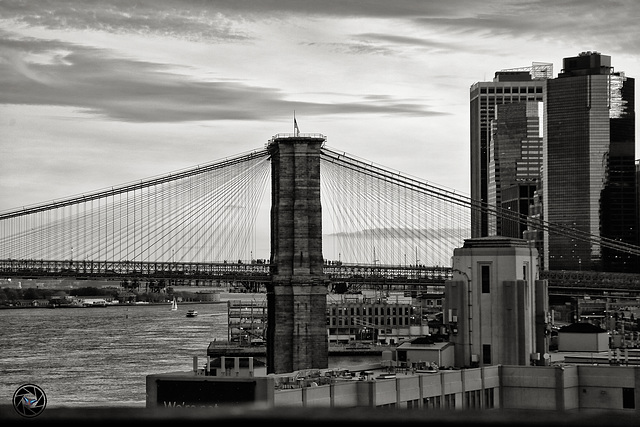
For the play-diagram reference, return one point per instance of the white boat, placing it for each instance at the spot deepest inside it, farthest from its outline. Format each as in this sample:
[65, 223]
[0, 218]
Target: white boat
[174, 305]
[192, 313]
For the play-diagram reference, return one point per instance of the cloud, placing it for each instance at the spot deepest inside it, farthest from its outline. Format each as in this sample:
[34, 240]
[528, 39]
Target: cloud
[589, 22]
[177, 19]
[432, 44]
[216, 16]
[95, 80]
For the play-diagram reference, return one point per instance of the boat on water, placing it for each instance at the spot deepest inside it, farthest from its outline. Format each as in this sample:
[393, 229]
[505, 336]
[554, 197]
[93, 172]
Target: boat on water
[192, 313]
[174, 305]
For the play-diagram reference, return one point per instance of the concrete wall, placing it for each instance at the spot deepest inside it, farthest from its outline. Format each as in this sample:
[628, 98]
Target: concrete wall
[345, 394]
[600, 387]
[570, 341]
[525, 389]
[546, 388]
[441, 356]
[396, 392]
[496, 323]
[568, 387]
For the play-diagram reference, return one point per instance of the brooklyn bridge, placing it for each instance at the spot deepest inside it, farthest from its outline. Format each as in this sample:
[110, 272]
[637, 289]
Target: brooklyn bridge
[212, 223]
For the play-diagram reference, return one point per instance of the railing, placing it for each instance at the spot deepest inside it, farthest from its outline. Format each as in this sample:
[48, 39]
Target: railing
[355, 274]
[298, 135]
[259, 272]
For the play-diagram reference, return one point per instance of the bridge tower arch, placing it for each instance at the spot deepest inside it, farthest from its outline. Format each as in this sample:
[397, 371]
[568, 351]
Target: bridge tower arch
[296, 294]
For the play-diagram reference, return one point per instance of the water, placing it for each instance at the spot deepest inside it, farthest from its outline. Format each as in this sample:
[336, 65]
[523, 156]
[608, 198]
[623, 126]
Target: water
[89, 357]
[101, 356]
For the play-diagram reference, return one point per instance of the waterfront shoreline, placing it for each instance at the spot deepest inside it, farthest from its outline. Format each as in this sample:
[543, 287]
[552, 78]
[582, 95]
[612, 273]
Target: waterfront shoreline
[150, 304]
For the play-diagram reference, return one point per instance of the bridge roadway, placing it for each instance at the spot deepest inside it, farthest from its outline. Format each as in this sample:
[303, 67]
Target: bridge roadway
[356, 276]
[256, 271]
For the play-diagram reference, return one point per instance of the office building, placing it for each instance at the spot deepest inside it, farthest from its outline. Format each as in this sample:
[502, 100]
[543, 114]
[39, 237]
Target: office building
[588, 165]
[508, 86]
[638, 199]
[515, 159]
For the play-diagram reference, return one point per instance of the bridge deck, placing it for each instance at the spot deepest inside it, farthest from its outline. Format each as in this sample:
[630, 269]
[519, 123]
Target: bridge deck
[355, 275]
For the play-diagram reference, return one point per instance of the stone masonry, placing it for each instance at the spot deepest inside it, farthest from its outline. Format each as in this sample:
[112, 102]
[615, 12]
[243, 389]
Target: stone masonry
[296, 296]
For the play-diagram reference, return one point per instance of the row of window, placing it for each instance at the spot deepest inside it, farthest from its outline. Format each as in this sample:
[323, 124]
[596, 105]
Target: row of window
[472, 400]
[390, 321]
[371, 311]
[511, 89]
[498, 100]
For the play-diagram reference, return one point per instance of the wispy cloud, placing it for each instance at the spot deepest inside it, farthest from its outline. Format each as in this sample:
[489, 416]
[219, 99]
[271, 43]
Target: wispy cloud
[590, 22]
[95, 80]
[181, 20]
[428, 44]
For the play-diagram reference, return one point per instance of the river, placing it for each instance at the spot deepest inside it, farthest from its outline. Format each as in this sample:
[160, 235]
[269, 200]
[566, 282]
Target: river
[101, 356]
[96, 357]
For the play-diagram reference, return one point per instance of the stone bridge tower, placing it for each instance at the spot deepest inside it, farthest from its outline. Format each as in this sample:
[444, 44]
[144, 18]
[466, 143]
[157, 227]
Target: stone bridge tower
[296, 296]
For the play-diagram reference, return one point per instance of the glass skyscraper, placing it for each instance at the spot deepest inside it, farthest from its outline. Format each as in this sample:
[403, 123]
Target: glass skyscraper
[517, 85]
[589, 165]
[515, 159]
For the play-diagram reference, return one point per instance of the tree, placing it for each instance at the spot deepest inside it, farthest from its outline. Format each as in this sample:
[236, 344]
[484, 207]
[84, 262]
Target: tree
[31, 294]
[12, 294]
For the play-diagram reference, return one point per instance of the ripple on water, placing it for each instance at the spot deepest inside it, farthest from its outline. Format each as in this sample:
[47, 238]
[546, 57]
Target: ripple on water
[101, 356]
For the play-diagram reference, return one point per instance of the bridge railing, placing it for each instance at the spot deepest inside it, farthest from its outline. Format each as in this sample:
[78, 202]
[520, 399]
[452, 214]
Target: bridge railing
[298, 135]
[355, 274]
[257, 270]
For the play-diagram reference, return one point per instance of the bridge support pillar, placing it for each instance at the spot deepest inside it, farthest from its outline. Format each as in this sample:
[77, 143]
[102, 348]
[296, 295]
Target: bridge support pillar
[299, 338]
[296, 296]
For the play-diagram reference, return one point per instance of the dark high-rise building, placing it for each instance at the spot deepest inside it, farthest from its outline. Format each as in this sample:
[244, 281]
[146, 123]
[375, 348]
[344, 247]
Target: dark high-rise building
[508, 86]
[638, 199]
[588, 165]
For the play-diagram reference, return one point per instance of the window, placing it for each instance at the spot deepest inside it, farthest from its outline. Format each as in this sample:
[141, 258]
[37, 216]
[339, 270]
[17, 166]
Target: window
[628, 398]
[431, 402]
[486, 354]
[485, 277]
[413, 404]
[488, 398]
[449, 401]
[472, 399]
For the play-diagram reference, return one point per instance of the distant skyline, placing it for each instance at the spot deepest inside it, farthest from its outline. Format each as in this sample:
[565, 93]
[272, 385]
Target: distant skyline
[94, 94]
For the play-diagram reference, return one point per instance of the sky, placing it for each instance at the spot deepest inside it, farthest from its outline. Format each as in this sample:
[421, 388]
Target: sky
[94, 94]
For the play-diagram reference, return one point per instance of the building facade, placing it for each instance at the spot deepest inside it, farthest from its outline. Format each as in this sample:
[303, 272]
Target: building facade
[588, 165]
[495, 307]
[609, 392]
[515, 159]
[374, 322]
[508, 86]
